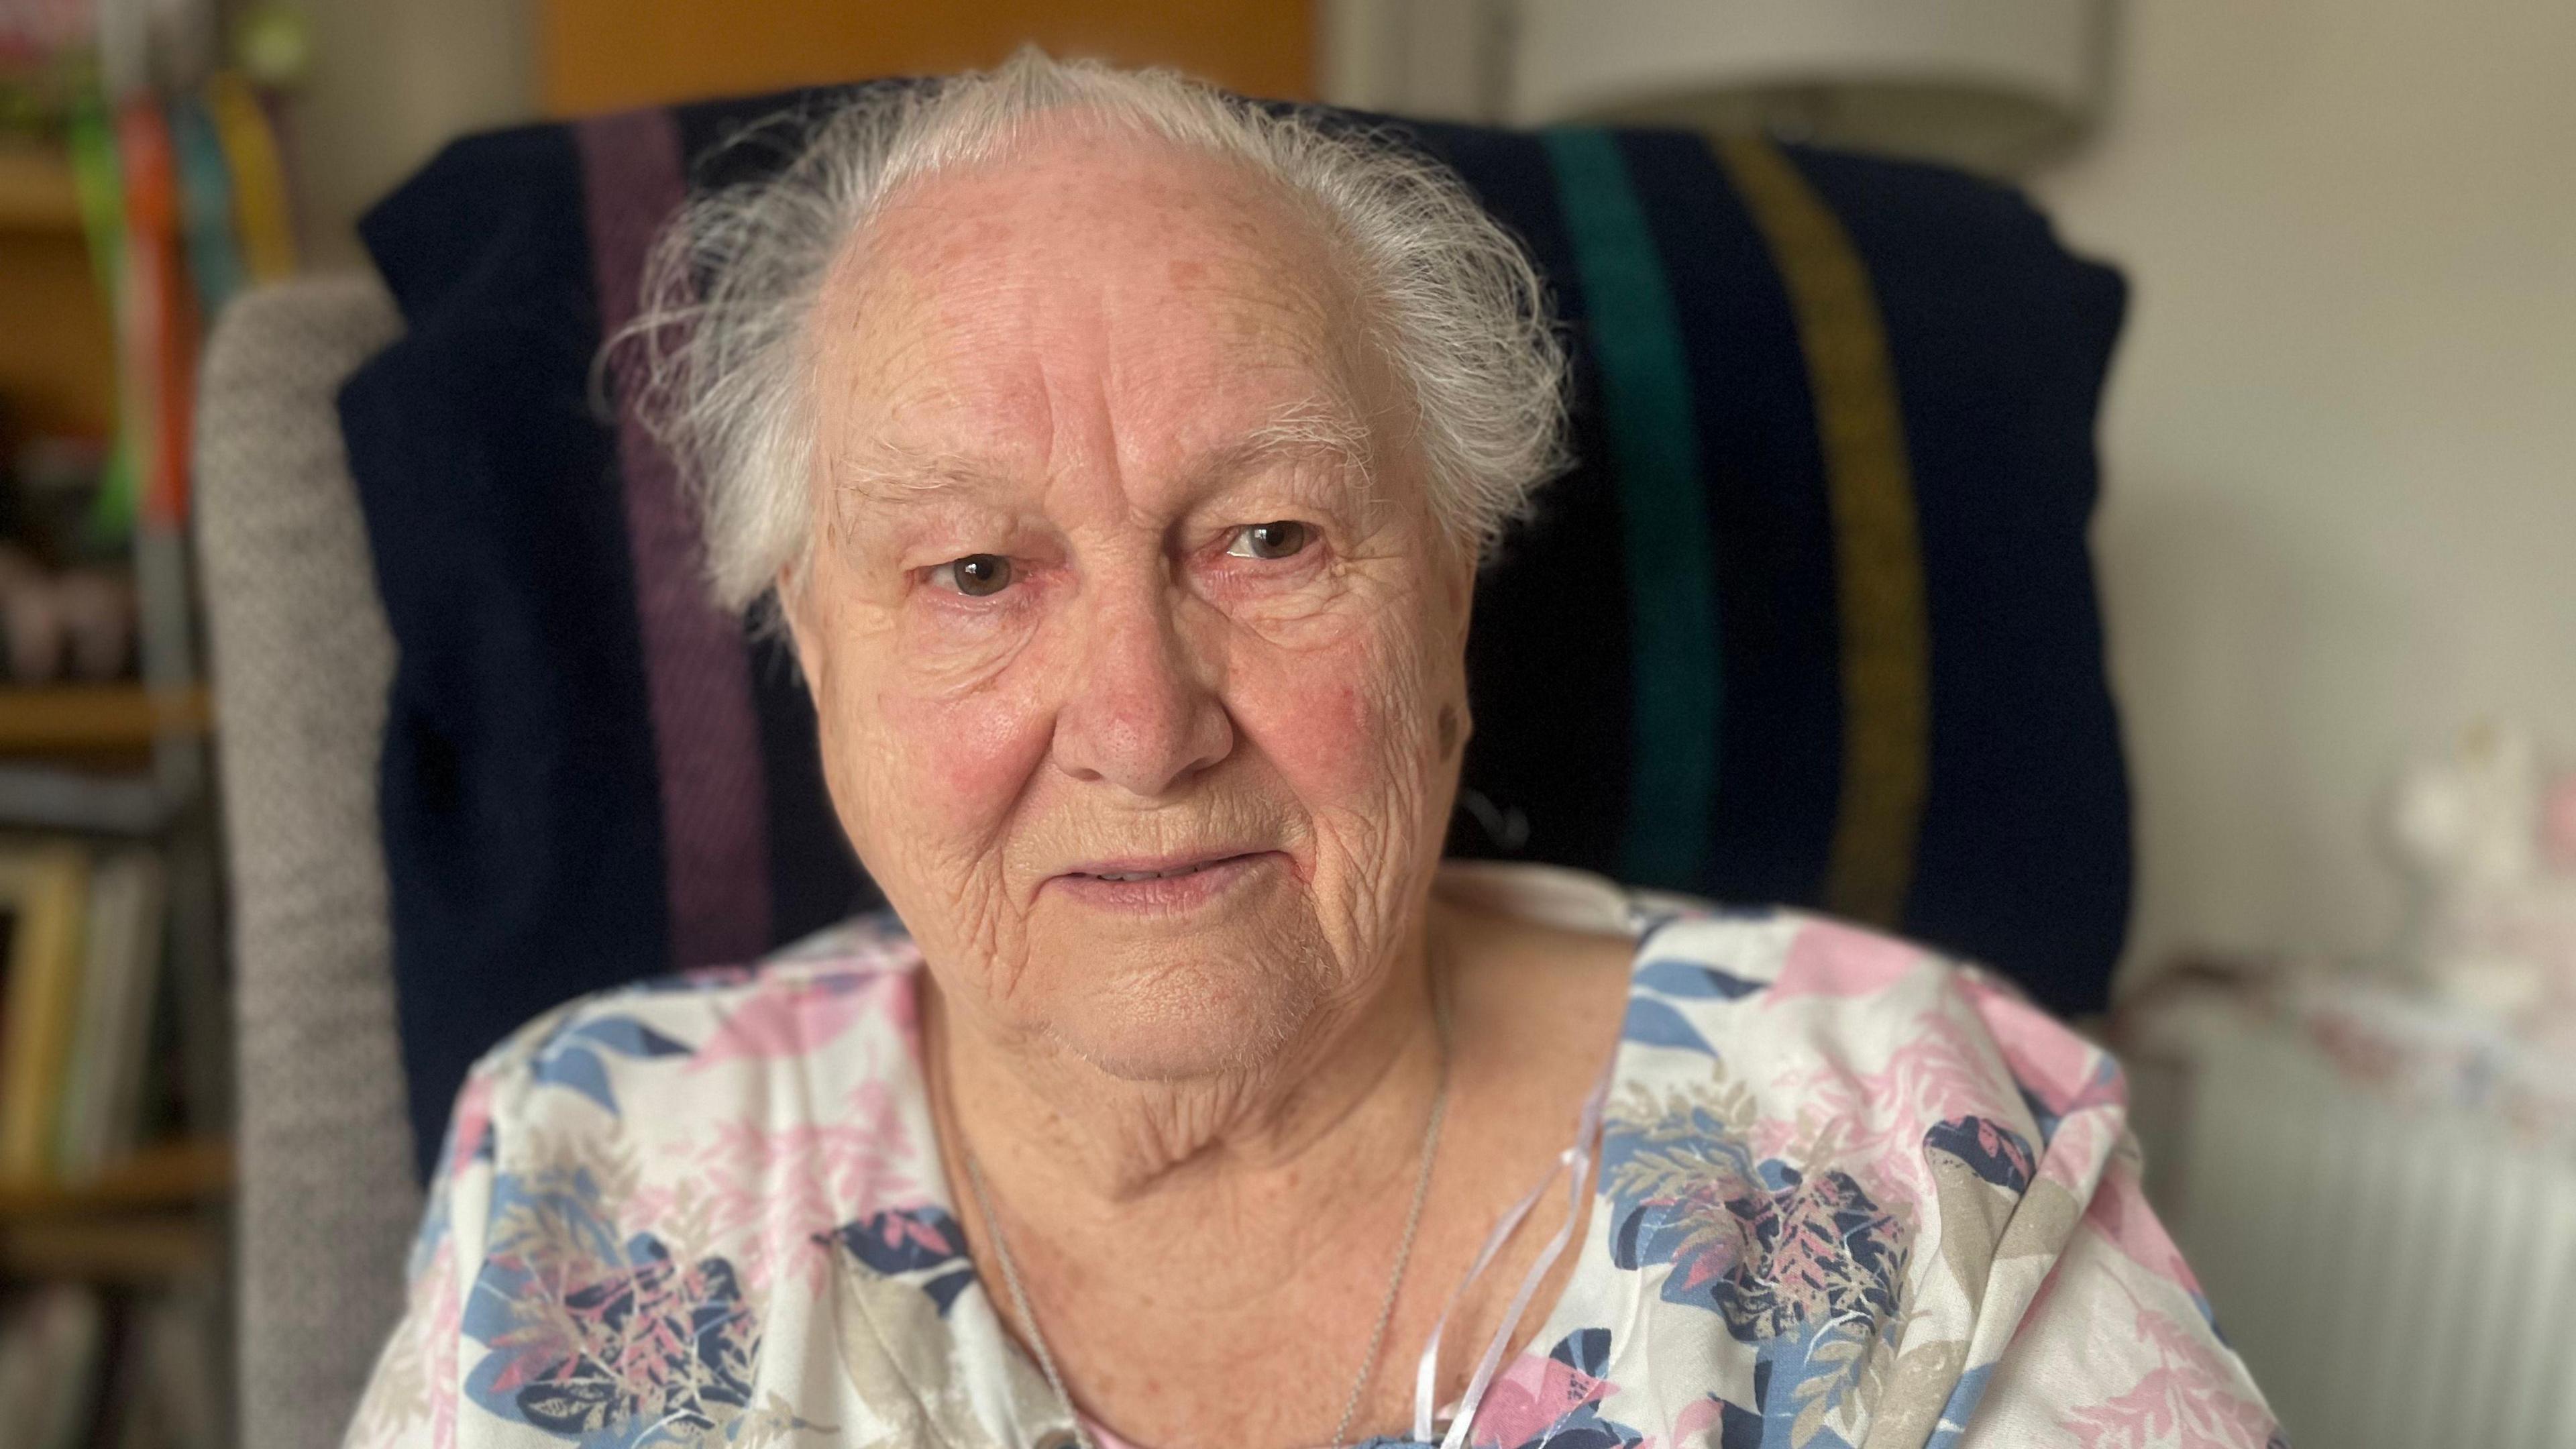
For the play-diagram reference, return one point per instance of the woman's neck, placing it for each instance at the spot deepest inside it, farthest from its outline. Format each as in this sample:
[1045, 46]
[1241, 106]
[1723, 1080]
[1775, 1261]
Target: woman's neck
[1206, 1265]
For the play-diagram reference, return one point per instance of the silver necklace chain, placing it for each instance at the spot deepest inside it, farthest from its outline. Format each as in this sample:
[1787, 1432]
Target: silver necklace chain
[1385, 1311]
[1403, 1258]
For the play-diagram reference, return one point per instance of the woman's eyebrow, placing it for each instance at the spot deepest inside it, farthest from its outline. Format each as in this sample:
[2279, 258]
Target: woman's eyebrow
[1315, 426]
[1307, 430]
[884, 472]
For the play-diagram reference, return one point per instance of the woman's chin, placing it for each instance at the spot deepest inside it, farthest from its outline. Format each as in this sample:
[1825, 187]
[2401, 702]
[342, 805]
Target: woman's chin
[1176, 1015]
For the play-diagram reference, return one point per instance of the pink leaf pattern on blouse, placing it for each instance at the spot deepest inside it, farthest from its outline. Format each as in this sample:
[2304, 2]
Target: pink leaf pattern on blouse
[2120, 1213]
[2062, 1070]
[1832, 959]
[1941, 1072]
[2182, 1398]
[771, 1193]
[1534, 1394]
[790, 1017]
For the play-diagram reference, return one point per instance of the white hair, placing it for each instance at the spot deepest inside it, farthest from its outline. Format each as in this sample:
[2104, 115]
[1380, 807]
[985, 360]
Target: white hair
[731, 289]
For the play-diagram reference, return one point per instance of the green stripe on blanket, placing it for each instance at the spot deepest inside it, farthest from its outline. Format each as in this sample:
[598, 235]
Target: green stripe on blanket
[1654, 445]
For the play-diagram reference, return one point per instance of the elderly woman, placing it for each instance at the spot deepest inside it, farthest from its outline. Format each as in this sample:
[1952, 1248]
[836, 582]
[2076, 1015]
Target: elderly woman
[1119, 456]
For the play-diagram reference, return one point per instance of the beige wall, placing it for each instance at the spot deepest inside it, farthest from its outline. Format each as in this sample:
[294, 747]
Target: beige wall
[392, 81]
[2341, 443]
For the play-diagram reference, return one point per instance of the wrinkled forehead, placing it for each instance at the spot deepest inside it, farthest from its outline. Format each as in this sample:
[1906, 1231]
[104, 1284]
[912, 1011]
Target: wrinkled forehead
[1087, 293]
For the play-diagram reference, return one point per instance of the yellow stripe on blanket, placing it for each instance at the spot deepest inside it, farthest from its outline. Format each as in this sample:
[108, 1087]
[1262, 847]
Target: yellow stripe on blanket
[1878, 560]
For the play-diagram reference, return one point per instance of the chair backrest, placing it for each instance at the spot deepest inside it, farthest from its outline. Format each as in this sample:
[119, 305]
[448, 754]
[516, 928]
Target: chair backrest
[328, 1193]
[1814, 621]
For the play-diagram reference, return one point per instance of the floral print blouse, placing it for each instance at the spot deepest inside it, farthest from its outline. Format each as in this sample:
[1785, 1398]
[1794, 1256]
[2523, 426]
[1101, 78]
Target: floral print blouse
[1849, 1195]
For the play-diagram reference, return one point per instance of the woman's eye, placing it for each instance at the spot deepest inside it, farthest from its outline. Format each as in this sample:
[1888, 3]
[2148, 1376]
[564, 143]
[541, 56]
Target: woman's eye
[1269, 540]
[976, 575]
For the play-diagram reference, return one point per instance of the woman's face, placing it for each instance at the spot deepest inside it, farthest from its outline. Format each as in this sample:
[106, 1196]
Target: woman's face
[1136, 647]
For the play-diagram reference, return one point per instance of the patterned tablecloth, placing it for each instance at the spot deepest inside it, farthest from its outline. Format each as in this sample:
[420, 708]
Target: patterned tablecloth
[2424, 1050]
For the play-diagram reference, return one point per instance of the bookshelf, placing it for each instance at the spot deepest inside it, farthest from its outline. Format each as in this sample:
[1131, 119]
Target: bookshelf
[176, 1175]
[36, 192]
[99, 718]
[141, 188]
[147, 1221]
[57, 348]
[115, 1176]
[115, 1206]
[139, 1253]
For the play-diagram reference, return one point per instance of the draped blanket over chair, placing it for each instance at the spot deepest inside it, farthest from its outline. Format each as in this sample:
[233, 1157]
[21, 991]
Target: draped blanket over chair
[1818, 591]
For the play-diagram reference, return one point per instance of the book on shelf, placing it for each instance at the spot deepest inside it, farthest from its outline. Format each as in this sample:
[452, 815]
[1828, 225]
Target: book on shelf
[52, 797]
[102, 1099]
[53, 1348]
[179, 1386]
[88, 931]
[85, 1367]
[43, 888]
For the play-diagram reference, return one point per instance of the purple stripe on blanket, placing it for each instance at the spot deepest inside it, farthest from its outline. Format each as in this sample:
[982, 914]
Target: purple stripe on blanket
[706, 741]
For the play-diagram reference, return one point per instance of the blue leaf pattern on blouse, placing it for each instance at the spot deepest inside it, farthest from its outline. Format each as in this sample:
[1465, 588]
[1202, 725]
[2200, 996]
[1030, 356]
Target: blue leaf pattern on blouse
[1654, 1023]
[1690, 979]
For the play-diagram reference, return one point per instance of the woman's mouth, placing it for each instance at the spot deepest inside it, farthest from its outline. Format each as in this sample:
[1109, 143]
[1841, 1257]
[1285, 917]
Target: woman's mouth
[1193, 868]
[1159, 886]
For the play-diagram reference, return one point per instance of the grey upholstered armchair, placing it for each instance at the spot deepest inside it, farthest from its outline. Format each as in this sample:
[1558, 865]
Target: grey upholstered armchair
[328, 1196]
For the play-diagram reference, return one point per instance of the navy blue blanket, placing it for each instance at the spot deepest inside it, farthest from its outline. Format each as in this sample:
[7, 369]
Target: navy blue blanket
[1819, 589]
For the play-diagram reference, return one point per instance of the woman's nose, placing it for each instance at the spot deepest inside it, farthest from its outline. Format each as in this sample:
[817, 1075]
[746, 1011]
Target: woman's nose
[1141, 710]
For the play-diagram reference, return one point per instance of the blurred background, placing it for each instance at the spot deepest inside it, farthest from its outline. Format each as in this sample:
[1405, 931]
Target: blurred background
[2333, 551]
